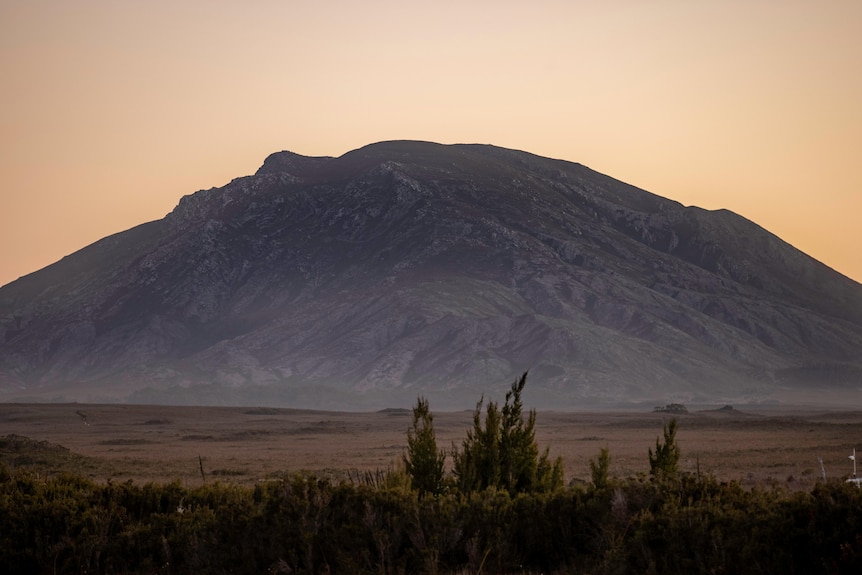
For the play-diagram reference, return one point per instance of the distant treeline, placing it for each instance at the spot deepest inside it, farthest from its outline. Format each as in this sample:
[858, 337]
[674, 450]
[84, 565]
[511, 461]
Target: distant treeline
[303, 524]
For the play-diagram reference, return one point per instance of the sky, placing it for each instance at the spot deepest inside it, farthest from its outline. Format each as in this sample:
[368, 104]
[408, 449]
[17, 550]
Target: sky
[112, 110]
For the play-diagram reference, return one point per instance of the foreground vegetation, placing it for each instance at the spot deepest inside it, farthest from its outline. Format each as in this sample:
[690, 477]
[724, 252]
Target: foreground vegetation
[305, 525]
[502, 508]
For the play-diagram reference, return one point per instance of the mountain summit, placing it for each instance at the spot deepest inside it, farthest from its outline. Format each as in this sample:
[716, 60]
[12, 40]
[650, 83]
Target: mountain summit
[410, 267]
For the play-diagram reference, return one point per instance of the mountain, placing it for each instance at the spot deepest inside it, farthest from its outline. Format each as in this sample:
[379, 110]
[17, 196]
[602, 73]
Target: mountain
[410, 267]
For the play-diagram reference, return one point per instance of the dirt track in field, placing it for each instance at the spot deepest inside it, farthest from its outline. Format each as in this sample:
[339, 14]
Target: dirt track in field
[246, 445]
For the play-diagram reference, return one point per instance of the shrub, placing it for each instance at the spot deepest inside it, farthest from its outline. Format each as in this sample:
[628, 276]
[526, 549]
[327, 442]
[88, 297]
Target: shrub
[503, 452]
[663, 464]
[423, 461]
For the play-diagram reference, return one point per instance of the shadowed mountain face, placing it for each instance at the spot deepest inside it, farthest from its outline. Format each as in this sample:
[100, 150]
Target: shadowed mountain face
[409, 267]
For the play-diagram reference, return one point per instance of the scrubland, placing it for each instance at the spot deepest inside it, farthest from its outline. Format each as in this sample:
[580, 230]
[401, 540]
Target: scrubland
[761, 446]
[152, 489]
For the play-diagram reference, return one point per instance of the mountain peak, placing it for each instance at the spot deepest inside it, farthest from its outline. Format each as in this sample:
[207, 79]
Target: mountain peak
[294, 164]
[411, 267]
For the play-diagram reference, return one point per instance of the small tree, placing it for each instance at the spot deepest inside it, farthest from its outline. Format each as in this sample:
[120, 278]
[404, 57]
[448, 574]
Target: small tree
[519, 452]
[599, 468]
[663, 464]
[477, 466]
[423, 462]
[503, 452]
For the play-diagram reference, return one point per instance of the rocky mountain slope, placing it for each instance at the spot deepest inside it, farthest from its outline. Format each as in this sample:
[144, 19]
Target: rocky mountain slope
[410, 267]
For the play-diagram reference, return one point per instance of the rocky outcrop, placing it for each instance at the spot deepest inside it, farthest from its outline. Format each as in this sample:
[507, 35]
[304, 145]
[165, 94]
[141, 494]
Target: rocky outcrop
[408, 267]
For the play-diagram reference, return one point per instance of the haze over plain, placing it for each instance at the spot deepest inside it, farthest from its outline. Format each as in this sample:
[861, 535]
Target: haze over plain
[113, 111]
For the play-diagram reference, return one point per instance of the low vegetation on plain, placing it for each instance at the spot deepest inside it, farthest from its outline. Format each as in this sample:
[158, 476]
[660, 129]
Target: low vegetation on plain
[500, 506]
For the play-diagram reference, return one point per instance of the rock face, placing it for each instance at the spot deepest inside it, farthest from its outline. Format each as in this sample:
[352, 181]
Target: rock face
[410, 267]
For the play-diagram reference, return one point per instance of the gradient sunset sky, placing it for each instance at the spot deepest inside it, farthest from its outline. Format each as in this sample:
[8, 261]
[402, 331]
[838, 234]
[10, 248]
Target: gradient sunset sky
[113, 110]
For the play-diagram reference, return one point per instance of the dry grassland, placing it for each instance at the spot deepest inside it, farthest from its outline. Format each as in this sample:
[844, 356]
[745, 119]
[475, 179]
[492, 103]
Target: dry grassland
[245, 445]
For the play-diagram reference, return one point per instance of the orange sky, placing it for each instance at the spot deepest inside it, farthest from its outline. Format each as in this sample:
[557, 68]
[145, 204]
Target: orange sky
[112, 110]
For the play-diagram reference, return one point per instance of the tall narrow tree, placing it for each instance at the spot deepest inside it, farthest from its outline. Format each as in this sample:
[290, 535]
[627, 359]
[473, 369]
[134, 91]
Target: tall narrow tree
[423, 461]
[599, 468]
[663, 464]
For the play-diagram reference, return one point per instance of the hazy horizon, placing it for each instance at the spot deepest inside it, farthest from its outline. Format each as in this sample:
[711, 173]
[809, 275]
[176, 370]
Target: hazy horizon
[113, 111]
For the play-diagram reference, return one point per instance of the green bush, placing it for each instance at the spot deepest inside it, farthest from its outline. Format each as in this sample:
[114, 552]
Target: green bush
[502, 452]
[663, 464]
[423, 462]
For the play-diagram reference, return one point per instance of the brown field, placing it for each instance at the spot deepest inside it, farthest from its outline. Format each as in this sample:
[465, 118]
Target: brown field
[245, 445]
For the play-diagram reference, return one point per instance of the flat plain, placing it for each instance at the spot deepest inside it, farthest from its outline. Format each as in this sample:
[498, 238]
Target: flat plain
[245, 445]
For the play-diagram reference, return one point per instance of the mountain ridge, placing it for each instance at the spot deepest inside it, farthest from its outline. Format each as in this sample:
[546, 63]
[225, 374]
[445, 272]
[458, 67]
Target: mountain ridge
[405, 267]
